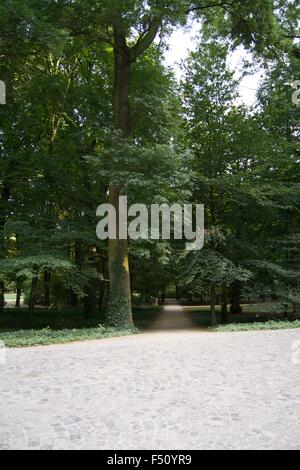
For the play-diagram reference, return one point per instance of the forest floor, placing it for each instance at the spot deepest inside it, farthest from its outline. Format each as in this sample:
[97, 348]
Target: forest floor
[165, 389]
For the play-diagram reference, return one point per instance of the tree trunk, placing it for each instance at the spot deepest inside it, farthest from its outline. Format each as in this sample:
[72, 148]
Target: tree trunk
[102, 302]
[19, 294]
[236, 308]
[90, 302]
[225, 317]
[119, 306]
[73, 298]
[76, 256]
[91, 290]
[5, 195]
[214, 322]
[47, 285]
[105, 296]
[33, 295]
[2, 297]
[297, 310]
[163, 295]
[12, 165]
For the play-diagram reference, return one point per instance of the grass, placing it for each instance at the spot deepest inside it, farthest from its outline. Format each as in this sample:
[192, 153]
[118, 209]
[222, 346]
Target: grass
[200, 317]
[258, 326]
[255, 318]
[28, 338]
[268, 308]
[64, 326]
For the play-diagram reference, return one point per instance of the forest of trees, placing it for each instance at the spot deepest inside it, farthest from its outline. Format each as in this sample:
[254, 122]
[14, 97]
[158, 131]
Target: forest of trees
[93, 112]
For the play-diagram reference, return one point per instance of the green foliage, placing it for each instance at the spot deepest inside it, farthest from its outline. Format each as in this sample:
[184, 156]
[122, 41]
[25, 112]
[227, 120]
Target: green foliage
[211, 266]
[26, 267]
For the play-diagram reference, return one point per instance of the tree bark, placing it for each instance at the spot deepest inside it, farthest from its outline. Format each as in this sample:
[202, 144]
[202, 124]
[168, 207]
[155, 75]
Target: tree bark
[236, 308]
[73, 299]
[33, 295]
[91, 289]
[47, 285]
[225, 317]
[90, 302]
[76, 257]
[4, 198]
[163, 295]
[119, 307]
[2, 297]
[103, 286]
[213, 306]
[19, 294]
[101, 295]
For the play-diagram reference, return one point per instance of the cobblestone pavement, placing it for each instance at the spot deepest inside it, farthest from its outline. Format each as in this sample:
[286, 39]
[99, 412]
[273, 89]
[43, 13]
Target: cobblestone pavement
[167, 390]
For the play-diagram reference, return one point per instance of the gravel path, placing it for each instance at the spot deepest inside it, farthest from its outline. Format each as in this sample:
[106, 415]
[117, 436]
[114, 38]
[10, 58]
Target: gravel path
[173, 317]
[166, 390]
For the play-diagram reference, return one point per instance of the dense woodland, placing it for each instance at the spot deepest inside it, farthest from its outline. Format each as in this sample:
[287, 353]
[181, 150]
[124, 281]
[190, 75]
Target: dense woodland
[93, 112]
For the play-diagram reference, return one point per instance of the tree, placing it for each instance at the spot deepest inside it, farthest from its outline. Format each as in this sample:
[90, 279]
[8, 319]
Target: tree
[48, 188]
[247, 23]
[213, 127]
[235, 159]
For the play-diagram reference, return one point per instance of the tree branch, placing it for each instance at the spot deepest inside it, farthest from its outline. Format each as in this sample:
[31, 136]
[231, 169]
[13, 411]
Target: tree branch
[210, 5]
[146, 39]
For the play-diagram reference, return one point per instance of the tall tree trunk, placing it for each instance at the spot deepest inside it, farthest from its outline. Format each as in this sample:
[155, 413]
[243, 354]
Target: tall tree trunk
[103, 286]
[2, 296]
[76, 256]
[213, 305]
[91, 289]
[297, 310]
[4, 198]
[90, 301]
[236, 308]
[7, 181]
[47, 285]
[33, 295]
[104, 302]
[101, 295]
[19, 294]
[73, 298]
[119, 306]
[163, 295]
[225, 317]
